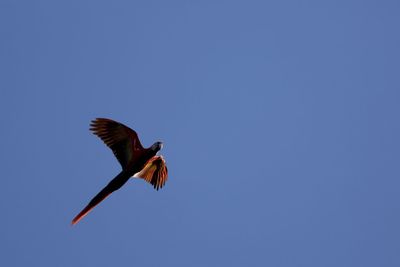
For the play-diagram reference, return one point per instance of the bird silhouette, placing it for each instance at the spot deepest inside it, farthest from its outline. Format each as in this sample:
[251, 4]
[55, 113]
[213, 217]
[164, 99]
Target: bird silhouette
[135, 160]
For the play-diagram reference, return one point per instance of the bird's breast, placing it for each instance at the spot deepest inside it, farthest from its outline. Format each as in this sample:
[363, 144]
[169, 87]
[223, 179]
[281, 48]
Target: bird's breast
[138, 164]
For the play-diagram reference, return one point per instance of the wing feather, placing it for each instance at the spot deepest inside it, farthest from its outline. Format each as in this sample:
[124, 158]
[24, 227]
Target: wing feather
[122, 140]
[155, 172]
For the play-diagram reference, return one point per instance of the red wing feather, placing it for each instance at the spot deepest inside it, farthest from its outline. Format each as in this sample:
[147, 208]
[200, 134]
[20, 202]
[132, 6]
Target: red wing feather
[155, 172]
[122, 140]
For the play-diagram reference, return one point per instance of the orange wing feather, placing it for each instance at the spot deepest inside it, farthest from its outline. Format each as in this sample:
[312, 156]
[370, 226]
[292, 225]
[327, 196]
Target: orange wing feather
[155, 172]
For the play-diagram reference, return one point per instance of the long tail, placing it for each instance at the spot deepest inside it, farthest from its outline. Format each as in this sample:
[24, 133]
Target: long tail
[115, 184]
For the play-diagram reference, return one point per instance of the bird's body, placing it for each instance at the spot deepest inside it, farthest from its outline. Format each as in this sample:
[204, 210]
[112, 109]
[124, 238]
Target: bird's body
[135, 160]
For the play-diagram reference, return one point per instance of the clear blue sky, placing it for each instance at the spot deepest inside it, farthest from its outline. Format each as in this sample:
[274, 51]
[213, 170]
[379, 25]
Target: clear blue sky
[280, 121]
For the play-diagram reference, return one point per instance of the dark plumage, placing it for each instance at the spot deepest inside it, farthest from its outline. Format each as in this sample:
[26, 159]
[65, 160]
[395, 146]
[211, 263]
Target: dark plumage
[135, 160]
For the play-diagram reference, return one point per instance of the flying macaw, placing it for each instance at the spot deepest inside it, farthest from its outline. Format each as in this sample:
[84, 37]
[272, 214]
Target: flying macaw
[135, 160]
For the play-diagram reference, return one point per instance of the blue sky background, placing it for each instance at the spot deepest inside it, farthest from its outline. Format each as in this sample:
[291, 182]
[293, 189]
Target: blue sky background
[280, 121]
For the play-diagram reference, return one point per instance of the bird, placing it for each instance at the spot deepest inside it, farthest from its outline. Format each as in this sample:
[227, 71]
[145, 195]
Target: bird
[135, 160]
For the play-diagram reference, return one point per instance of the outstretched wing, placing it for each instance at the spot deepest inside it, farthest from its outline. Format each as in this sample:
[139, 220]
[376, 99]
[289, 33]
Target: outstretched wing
[122, 140]
[155, 172]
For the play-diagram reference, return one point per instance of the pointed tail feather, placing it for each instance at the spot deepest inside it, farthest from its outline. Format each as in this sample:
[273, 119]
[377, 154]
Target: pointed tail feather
[95, 201]
[115, 184]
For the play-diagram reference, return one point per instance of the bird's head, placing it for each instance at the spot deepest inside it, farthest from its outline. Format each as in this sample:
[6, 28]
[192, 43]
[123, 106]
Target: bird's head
[156, 146]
